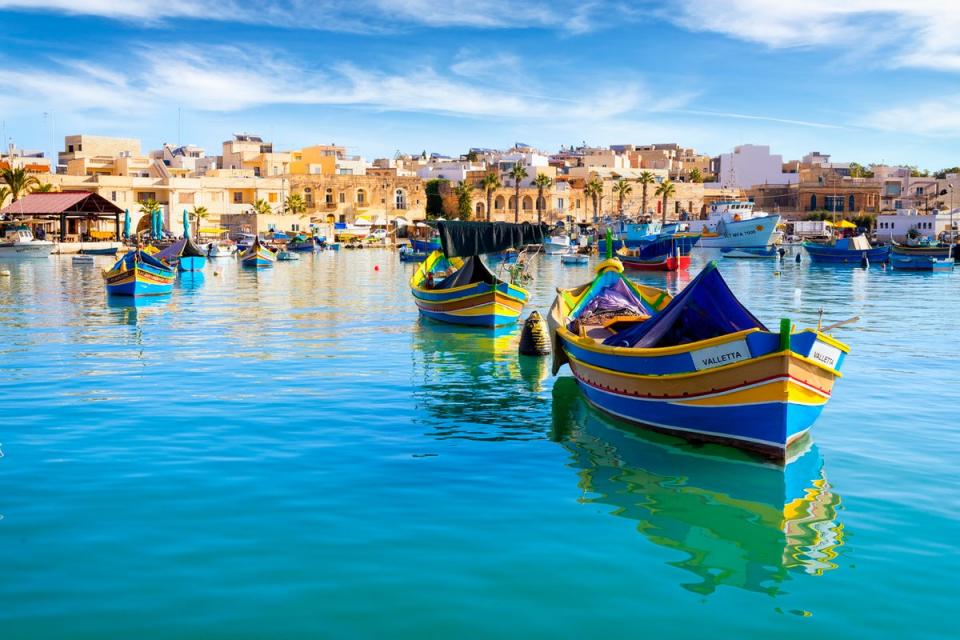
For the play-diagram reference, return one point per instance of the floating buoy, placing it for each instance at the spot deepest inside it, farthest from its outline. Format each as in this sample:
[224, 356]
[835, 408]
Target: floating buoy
[216, 273]
[535, 337]
[776, 273]
[376, 267]
[798, 258]
[864, 261]
[5, 273]
[782, 252]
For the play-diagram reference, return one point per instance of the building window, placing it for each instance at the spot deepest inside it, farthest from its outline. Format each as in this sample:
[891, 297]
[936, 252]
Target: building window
[294, 227]
[143, 196]
[237, 197]
[271, 197]
[342, 197]
[69, 148]
[851, 203]
[308, 196]
[329, 196]
[256, 172]
[400, 199]
[813, 201]
[113, 196]
[361, 196]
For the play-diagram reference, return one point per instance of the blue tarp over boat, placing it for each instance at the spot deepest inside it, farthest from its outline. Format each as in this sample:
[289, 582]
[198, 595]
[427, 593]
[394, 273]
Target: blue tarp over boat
[705, 309]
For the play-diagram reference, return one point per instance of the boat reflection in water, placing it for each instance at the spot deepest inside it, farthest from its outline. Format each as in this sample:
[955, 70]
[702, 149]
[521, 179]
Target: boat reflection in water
[471, 383]
[132, 309]
[741, 522]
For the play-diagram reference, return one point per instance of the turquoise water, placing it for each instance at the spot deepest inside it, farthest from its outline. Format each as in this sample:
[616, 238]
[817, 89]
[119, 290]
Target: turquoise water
[292, 453]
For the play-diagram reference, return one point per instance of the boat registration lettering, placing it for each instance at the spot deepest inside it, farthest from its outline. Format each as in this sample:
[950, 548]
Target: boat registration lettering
[720, 355]
[825, 354]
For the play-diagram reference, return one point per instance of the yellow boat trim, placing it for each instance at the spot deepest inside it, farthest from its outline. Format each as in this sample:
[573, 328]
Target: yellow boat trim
[590, 345]
[765, 392]
[472, 295]
[830, 340]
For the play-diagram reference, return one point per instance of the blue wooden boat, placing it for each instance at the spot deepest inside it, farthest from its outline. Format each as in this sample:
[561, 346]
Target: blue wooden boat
[922, 258]
[425, 246]
[846, 251]
[572, 257]
[699, 365]
[139, 274]
[302, 243]
[407, 254]
[749, 252]
[287, 256]
[109, 251]
[257, 256]
[184, 254]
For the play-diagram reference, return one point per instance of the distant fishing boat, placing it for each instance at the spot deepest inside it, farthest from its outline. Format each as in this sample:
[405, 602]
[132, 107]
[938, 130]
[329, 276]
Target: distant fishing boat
[99, 251]
[922, 258]
[699, 365]
[302, 243]
[184, 254]
[846, 251]
[18, 242]
[572, 257]
[556, 244]
[425, 246]
[221, 250]
[138, 273]
[749, 252]
[287, 256]
[661, 255]
[457, 287]
[408, 254]
[257, 255]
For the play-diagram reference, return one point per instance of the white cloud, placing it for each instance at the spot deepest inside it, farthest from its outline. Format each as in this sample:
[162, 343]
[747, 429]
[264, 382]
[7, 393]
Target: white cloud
[935, 118]
[894, 33]
[574, 16]
[229, 80]
[747, 116]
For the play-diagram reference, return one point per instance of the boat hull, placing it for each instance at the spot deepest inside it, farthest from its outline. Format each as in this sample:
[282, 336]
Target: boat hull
[258, 257]
[425, 246]
[750, 252]
[35, 249]
[192, 263]
[140, 281]
[477, 305]
[846, 256]
[666, 263]
[755, 232]
[577, 258]
[762, 404]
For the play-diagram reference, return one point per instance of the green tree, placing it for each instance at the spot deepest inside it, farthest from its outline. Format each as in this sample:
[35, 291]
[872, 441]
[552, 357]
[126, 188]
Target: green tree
[4, 194]
[942, 174]
[857, 170]
[199, 215]
[147, 209]
[45, 187]
[490, 183]
[622, 189]
[18, 181]
[471, 156]
[464, 193]
[542, 181]
[696, 175]
[295, 204]
[517, 173]
[646, 178]
[261, 207]
[434, 199]
[594, 191]
[665, 190]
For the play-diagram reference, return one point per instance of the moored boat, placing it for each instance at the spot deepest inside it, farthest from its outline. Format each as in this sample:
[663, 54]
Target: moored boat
[846, 251]
[408, 254]
[425, 246]
[556, 244]
[138, 273]
[221, 250]
[287, 256]
[184, 254]
[735, 223]
[572, 257]
[699, 365]
[257, 255]
[18, 242]
[922, 258]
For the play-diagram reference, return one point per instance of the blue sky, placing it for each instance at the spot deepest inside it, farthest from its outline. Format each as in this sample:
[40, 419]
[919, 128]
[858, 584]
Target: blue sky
[864, 81]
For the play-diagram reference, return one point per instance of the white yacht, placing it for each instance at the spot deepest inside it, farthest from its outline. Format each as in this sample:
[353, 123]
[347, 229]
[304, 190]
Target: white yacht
[555, 245]
[18, 242]
[734, 223]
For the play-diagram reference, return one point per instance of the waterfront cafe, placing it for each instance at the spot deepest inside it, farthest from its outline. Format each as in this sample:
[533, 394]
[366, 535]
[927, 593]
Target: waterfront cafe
[73, 215]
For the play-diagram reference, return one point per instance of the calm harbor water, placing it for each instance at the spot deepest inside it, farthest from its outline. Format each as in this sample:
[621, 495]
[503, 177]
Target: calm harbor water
[292, 452]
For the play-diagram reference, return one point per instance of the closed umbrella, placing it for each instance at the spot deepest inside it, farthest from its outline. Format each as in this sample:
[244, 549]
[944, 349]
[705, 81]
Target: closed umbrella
[186, 224]
[126, 223]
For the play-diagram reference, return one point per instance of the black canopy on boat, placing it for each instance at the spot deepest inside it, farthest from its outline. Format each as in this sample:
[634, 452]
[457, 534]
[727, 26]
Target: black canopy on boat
[184, 247]
[477, 238]
[472, 271]
[705, 309]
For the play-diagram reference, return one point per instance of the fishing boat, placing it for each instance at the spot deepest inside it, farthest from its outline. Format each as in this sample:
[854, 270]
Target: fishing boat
[185, 255]
[665, 262]
[455, 286]
[302, 243]
[257, 255]
[425, 246]
[735, 223]
[408, 254]
[699, 365]
[138, 273]
[556, 245]
[922, 257]
[846, 251]
[99, 251]
[572, 257]
[287, 256]
[18, 242]
[221, 250]
[749, 252]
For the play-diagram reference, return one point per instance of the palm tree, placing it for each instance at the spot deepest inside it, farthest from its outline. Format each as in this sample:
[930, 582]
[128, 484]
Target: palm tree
[4, 194]
[622, 188]
[517, 173]
[18, 180]
[261, 207]
[665, 190]
[295, 204]
[463, 191]
[696, 175]
[147, 209]
[594, 191]
[645, 178]
[490, 183]
[542, 181]
[46, 187]
[200, 213]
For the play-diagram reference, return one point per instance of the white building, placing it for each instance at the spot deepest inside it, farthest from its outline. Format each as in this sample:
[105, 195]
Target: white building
[750, 165]
[453, 170]
[932, 226]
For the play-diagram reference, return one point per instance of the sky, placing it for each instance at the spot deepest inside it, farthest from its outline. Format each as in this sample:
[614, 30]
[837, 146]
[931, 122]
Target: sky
[875, 81]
